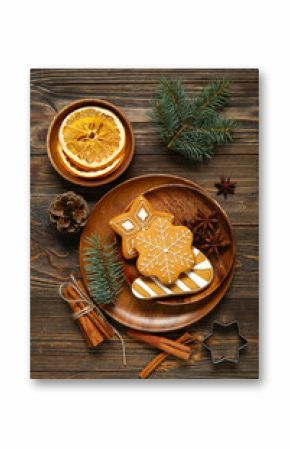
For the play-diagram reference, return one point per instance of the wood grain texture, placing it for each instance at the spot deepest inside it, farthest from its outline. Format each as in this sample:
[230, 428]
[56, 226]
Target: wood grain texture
[57, 348]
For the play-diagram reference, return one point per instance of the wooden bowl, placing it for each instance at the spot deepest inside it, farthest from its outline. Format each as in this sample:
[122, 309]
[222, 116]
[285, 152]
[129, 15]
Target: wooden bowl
[53, 143]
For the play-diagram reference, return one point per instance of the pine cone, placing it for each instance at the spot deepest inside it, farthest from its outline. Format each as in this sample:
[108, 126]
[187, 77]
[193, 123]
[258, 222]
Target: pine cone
[69, 212]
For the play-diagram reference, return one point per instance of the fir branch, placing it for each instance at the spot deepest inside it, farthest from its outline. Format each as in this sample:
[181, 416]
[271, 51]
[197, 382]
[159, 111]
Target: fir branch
[104, 270]
[192, 127]
[195, 144]
[169, 108]
[212, 98]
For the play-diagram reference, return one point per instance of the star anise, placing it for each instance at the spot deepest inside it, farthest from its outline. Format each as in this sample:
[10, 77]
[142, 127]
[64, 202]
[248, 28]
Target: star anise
[215, 244]
[199, 240]
[225, 187]
[205, 224]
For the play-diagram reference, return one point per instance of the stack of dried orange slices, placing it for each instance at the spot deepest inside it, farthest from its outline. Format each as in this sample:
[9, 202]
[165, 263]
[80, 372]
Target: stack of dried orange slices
[91, 142]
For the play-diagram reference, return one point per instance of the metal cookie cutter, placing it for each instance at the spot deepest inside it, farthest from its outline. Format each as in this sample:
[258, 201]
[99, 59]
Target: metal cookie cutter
[225, 349]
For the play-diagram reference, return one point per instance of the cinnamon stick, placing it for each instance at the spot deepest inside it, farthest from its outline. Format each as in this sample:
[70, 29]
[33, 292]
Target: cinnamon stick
[156, 361]
[171, 347]
[90, 332]
[103, 326]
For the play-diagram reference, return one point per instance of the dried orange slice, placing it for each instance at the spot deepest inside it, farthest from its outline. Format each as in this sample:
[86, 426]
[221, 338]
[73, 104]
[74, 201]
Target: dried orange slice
[77, 171]
[92, 137]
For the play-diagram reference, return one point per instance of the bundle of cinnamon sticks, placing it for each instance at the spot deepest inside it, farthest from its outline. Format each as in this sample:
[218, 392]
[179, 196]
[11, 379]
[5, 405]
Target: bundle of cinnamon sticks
[94, 327]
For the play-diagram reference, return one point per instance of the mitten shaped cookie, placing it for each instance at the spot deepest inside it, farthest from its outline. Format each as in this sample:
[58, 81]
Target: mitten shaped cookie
[164, 250]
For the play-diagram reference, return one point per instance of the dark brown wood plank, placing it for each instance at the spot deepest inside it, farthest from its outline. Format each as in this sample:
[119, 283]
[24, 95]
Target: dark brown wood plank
[69, 353]
[59, 318]
[242, 207]
[148, 141]
[135, 76]
[54, 258]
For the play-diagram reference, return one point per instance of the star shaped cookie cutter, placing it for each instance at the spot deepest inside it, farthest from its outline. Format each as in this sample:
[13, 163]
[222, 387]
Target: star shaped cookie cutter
[213, 352]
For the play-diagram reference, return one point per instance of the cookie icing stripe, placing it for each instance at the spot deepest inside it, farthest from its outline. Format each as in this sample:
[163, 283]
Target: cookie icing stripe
[204, 265]
[161, 286]
[196, 251]
[137, 294]
[182, 286]
[197, 279]
[145, 287]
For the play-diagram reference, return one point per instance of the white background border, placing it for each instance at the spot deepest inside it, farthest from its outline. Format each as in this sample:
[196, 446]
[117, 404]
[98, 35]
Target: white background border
[200, 414]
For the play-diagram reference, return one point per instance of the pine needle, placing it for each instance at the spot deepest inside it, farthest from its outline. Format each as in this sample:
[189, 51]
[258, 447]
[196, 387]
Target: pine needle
[192, 127]
[104, 270]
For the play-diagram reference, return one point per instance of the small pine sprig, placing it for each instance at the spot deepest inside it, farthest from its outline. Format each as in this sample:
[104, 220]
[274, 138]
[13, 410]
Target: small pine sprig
[104, 270]
[192, 127]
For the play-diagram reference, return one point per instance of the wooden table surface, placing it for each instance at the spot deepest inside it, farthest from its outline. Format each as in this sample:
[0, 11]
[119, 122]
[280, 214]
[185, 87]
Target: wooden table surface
[57, 347]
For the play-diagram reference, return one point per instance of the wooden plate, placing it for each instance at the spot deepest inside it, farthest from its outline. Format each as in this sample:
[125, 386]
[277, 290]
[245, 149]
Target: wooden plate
[127, 310]
[53, 143]
[183, 202]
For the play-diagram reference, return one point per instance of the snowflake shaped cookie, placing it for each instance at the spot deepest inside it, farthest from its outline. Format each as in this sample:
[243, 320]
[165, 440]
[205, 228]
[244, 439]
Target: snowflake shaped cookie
[164, 250]
[139, 216]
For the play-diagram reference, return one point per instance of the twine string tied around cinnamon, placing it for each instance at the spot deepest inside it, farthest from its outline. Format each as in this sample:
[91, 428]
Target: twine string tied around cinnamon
[89, 307]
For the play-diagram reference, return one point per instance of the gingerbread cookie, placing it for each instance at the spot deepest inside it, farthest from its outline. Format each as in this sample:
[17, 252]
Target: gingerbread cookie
[164, 250]
[139, 216]
[190, 282]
